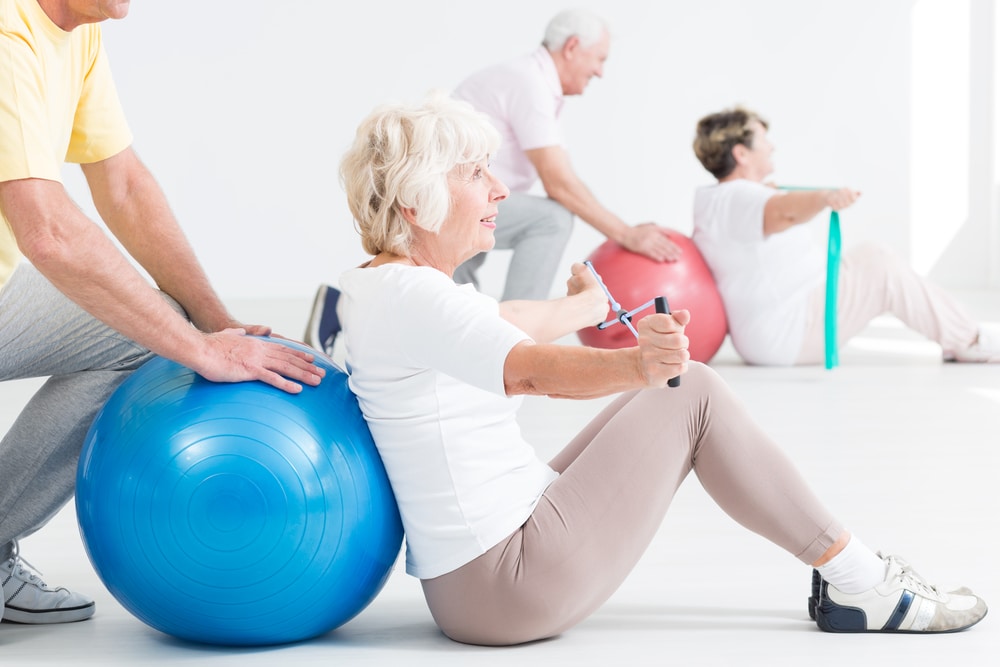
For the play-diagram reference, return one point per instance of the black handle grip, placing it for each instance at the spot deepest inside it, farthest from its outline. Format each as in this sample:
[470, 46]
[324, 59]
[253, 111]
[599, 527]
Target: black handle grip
[663, 307]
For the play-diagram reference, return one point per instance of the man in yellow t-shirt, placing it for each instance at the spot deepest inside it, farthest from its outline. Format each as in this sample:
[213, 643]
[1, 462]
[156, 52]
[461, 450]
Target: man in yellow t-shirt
[77, 310]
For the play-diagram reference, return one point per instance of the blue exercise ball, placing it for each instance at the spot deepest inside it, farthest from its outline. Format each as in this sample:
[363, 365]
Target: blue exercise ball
[236, 514]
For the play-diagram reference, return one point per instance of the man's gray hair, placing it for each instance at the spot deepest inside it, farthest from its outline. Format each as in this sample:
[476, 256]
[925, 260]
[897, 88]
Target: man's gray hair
[586, 26]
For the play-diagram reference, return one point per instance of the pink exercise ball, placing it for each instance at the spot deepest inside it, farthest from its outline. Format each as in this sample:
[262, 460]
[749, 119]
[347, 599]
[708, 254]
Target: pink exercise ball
[687, 283]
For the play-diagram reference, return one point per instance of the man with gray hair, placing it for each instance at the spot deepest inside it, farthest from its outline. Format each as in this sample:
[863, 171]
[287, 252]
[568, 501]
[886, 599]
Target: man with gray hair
[524, 98]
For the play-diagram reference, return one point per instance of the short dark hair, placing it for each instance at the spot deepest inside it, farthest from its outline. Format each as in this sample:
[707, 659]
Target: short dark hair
[718, 133]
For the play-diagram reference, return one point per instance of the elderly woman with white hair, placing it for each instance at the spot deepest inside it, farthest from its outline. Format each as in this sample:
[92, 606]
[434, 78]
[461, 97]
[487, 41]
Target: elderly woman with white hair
[509, 548]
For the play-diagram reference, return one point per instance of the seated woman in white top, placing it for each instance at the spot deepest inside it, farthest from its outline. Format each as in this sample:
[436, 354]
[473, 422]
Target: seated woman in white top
[771, 275]
[510, 548]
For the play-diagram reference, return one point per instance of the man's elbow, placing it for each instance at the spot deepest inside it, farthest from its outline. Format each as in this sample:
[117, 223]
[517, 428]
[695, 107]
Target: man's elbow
[44, 248]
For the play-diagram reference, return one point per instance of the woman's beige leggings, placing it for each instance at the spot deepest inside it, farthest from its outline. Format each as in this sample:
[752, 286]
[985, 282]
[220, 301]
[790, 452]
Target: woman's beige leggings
[617, 479]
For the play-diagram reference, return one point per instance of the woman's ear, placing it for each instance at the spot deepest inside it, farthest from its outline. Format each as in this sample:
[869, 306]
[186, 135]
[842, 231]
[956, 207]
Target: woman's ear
[740, 153]
[410, 215]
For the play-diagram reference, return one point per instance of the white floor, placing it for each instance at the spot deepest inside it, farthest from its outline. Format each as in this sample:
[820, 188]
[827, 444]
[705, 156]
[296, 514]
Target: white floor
[905, 449]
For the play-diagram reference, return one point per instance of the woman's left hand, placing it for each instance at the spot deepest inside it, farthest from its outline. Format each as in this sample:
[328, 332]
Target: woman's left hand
[582, 282]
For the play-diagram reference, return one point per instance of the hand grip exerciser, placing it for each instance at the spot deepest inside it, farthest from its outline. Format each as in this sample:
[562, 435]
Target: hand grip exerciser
[663, 307]
[623, 316]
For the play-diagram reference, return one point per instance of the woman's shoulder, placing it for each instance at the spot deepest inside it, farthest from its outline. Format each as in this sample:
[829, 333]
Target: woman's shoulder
[392, 275]
[737, 192]
[737, 186]
[406, 286]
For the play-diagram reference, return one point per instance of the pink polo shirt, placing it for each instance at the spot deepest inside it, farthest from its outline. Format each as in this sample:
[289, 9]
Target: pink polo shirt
[523, 98]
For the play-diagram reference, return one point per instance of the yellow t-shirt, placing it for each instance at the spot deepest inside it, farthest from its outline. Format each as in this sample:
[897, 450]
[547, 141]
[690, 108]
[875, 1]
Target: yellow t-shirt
[58, 103]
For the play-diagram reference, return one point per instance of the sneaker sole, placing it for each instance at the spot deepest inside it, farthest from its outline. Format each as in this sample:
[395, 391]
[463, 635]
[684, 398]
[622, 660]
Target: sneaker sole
[311, 337]
[820, 622]
[48, 616]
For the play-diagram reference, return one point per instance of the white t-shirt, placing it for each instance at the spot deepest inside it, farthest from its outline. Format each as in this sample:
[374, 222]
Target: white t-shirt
[523, 98]
[765, 283]
[425, 359]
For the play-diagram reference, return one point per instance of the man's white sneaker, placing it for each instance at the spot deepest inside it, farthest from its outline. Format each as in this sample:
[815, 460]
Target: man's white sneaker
[27, 599]
[904, 602]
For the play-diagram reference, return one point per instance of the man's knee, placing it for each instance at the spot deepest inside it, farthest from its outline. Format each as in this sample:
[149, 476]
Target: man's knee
[558, 220]
[533, 215]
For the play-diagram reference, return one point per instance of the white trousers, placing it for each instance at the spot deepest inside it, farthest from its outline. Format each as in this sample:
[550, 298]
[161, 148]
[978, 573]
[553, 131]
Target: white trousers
[874, 281]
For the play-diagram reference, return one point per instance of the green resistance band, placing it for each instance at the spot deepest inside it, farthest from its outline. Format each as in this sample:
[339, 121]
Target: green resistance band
[832, 276]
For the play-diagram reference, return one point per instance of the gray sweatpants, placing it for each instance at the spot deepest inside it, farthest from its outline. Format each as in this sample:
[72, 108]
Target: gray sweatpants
[44, 334]
[537, 229]
[617, 478]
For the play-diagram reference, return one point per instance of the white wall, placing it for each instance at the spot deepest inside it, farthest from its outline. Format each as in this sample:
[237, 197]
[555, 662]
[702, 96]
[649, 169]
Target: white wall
[243, 108]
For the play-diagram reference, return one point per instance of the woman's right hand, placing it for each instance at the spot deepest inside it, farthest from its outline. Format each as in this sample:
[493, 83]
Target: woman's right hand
[842, 198]
[663, 347]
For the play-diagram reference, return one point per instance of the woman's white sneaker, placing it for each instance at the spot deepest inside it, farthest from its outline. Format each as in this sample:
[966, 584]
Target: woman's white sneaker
[986, 349]
[904, 602]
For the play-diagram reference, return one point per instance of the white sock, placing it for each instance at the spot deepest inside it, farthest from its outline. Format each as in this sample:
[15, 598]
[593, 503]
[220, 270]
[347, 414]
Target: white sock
[856, 569]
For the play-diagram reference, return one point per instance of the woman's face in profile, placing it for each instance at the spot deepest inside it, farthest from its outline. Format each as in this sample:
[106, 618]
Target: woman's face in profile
[475, 197]
[760, 153]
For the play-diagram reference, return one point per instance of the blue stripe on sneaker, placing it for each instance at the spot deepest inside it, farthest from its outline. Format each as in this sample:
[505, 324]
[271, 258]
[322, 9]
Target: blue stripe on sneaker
[899, 613]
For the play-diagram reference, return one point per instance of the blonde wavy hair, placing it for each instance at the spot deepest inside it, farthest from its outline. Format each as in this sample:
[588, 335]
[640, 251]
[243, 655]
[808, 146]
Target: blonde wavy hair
[401, 158]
